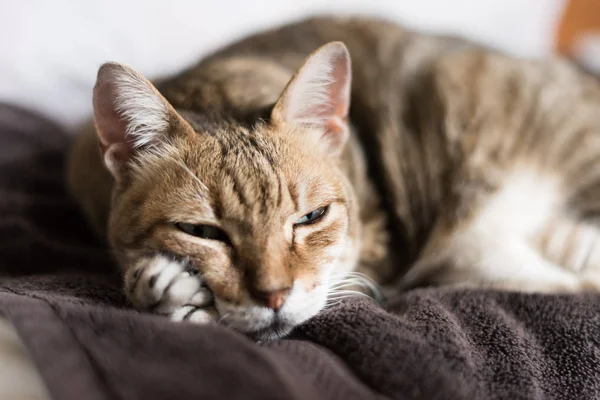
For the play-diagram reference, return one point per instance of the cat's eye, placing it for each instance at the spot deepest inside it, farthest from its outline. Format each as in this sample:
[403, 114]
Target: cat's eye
[312, 217]
[203, 231]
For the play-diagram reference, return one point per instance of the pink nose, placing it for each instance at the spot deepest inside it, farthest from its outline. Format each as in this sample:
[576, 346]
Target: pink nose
[273, 299]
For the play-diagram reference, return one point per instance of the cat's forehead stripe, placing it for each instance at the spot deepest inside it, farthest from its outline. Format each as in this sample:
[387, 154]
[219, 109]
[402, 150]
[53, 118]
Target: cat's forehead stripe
[251, 180]
[248, 167]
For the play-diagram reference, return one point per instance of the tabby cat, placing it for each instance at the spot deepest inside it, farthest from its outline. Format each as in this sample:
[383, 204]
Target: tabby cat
[256, 187]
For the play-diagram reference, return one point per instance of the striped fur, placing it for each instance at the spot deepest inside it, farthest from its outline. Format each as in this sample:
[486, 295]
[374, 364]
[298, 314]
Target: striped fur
[464, 167]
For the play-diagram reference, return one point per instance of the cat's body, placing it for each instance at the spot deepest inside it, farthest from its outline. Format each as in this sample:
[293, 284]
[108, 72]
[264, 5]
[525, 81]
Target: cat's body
[463, 166]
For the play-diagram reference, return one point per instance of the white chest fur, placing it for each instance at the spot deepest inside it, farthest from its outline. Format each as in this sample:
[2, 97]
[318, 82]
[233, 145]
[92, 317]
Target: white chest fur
[522, 237]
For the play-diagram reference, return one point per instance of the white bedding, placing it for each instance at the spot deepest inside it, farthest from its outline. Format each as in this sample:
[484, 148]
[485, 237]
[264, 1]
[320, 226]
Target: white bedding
[50, 50]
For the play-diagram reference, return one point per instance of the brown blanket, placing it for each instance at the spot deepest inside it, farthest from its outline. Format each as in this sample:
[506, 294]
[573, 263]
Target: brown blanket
[59, 288]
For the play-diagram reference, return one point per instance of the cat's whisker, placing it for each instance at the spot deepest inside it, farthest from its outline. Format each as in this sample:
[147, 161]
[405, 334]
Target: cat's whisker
[223, 317]
[223, 321]
[355, 282]
[350, 275]
[350, 282]
[353, 279]
[347, 295]
[338, 281]
[346, 285]
[339, 293]
[336, 298]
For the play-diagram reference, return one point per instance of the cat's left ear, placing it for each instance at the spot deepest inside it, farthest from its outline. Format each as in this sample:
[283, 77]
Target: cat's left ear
[318, 96]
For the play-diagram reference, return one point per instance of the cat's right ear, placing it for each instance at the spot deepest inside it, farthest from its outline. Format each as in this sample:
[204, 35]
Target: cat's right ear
[129, 113]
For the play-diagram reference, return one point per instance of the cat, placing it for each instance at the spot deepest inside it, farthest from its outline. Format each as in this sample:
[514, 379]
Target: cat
[256, 187]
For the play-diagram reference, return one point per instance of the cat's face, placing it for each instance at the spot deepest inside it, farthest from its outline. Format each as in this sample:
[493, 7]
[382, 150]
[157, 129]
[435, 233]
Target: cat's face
[255, 212]
[263, 213]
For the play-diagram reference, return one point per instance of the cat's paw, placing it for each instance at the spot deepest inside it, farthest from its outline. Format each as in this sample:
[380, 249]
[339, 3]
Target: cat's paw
[171, 288]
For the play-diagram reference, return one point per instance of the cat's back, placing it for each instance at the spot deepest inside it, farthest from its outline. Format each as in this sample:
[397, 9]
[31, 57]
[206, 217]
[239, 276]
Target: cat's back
[517, 196]
[384, 56]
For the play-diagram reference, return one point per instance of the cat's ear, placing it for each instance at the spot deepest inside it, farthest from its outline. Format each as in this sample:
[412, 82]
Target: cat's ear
[129, 114]
[318, 96]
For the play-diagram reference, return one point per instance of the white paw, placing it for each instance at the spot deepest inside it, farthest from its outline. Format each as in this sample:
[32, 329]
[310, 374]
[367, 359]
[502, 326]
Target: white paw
[169, 287]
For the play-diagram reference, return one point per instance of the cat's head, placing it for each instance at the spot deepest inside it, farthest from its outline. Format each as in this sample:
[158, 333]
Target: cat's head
[264, 213]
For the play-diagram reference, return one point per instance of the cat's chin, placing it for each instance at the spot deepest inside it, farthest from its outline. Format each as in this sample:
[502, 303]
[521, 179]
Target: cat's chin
[277, 330]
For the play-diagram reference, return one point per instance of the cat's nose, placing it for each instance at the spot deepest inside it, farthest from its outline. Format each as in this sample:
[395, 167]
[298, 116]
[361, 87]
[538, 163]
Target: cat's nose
[273, 299]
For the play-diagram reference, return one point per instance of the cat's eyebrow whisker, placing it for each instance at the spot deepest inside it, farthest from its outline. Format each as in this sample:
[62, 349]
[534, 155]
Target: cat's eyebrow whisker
[186, 169]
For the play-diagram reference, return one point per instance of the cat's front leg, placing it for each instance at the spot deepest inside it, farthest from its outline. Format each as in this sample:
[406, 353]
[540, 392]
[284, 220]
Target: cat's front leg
[169, 287]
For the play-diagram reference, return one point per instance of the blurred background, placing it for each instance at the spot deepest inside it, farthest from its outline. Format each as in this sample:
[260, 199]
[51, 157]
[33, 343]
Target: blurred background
[50, 50]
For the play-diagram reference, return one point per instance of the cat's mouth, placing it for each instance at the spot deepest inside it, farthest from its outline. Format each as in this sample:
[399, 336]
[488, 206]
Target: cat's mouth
[263, 323]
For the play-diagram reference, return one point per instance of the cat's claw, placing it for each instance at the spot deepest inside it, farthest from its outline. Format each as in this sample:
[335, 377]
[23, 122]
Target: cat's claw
[195, 314]
[168, 287]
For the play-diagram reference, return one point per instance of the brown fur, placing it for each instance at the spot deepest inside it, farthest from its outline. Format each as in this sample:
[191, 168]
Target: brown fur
[439, 125]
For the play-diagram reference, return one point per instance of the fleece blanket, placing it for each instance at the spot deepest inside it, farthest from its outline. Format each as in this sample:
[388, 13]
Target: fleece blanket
[59, 288]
